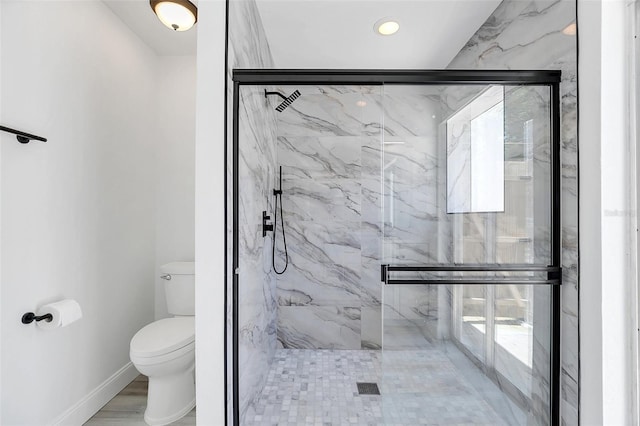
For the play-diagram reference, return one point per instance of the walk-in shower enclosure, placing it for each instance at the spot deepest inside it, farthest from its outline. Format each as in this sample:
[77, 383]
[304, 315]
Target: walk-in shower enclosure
[422, 221]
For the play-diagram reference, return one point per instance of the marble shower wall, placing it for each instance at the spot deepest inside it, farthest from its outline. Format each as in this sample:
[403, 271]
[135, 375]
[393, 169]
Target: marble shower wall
[411, 172]
[415, 227]
[257, 318]
[328, 141]
[528, 35]
[338, 207]
[248, 48]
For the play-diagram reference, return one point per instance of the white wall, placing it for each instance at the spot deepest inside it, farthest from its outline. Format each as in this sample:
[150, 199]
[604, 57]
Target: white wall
[210, 213]
[590, 218]
[174, 148]
[78, 211]
[1, 116]
[617, 282]
[607, 216]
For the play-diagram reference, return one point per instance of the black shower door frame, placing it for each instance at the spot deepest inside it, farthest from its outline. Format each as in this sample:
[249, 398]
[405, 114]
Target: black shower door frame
[241, 77]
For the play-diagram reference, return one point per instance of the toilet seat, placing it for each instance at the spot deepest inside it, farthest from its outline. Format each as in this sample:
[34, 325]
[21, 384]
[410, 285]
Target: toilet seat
[163, 340]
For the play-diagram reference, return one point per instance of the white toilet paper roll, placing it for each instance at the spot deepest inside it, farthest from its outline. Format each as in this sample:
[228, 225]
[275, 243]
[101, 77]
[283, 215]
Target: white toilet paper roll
[64, 313]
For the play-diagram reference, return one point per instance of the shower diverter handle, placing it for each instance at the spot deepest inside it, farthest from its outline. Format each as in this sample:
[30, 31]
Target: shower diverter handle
[266, 226]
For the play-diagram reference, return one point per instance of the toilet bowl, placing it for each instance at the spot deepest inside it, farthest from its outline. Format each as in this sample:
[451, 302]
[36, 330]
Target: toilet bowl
[165, 351]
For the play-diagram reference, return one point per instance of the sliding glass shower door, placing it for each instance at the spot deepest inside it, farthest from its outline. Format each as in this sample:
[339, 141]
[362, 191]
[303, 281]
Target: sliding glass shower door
[395, 249]
[468, 248]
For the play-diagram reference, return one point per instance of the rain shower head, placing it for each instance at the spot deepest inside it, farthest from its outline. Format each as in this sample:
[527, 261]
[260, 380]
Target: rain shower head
[288, 100]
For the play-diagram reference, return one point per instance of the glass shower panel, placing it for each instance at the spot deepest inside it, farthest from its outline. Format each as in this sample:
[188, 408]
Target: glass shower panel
[466, 181]
[471, 318]
[256, 285]
[521, 331]
[429, 374]
[411, 173]
[322, 154]
[520, 233]
[422, 127]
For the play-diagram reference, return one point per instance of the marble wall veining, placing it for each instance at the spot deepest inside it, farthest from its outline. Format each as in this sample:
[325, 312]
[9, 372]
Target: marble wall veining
[354, 200]
[248, 48]
[344, 217]
[326, 139]
[256, 282]
[528, 35]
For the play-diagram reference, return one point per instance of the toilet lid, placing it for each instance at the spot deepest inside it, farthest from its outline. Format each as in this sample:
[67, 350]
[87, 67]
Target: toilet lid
[163, 336]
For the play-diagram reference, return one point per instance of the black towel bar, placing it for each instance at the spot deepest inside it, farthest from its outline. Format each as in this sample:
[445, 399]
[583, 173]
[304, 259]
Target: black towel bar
[23, 137]
[553, 274]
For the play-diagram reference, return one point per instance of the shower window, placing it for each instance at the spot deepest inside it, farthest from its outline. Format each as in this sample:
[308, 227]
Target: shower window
[475, 154]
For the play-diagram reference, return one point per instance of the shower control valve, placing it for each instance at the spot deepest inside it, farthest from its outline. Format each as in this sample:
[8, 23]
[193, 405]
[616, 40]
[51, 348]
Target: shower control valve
[265, 225]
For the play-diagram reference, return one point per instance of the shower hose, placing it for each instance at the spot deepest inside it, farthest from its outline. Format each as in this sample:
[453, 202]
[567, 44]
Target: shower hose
[278, 195]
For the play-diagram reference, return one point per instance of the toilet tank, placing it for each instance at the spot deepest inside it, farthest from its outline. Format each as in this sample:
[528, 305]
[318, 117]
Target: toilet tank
[179, 287]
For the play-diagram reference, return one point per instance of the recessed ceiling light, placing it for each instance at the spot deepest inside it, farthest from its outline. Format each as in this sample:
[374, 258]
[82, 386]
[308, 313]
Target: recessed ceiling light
[361, 104]
[386, 26]
[570, 29]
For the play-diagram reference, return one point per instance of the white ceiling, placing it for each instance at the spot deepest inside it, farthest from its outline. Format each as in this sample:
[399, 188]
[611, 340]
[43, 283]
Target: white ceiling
[337, 33]
[138, 16]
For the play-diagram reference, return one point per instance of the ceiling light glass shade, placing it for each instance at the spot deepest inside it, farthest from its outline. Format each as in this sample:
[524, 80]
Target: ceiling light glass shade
[179, 15]
[386, 26]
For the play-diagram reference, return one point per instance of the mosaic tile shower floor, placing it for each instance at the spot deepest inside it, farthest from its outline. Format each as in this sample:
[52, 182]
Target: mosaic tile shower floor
[418, 387]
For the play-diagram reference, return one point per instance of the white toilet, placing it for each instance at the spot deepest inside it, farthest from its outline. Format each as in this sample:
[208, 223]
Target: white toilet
[165, 349]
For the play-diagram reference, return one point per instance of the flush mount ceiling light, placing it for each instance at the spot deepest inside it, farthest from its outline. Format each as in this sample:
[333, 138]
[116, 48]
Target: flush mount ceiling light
[179, 15]
[386, 26]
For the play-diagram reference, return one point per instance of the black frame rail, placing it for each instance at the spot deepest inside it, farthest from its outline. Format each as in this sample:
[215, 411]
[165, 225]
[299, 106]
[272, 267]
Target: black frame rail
[390, 76]
[554, 274]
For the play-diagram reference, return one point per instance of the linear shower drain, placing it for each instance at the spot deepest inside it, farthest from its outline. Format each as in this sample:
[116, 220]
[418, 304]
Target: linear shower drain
[368, 388]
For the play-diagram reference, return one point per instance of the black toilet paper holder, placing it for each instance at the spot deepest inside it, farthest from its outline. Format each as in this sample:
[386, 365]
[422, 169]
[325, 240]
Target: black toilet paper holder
[30, 317]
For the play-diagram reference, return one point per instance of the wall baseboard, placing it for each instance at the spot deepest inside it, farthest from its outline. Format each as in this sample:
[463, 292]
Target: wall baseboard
[90, 404]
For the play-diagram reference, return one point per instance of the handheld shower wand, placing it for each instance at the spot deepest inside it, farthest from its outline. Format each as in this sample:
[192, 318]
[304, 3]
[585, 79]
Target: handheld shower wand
[277, 193]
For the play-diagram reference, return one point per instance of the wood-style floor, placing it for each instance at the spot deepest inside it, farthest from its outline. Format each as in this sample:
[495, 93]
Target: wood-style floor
[127, 408]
